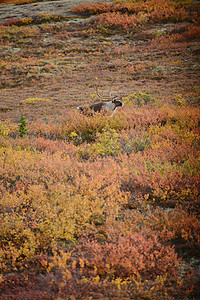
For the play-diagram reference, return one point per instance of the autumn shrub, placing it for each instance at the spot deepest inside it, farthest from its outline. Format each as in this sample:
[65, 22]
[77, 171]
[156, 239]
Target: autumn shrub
[90, 9]
[98, 207]
[179, 100]
[167, 168]
[79, 129]
[126, 21]
[144, 157]
[16, 33]
[42, 144]
[184, 119]
[18, 241]
[193, 98]
[177, 226]
[131, 7]
[39, 19]
[111, 143]
[39, 209]
[85, 128]
[176, 38]
[139, 99]
[116, 19]
[166, 185]
[53, 285]
[4, 129]
[34, 100]
[172, 183]
[20, 2]
[135, 254]
[134, 142]
[132, 14]
[76, 127]
[186, 33]
[107, 144]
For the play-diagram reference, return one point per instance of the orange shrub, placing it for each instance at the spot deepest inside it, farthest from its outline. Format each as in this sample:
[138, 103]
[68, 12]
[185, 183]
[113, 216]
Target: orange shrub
[92, 8]
[135, 254]
[178, 225]
[118, 20]
[130, 15]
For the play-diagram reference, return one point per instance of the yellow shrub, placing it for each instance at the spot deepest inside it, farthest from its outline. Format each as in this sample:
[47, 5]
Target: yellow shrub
[4, 130]
[34, 100]
[179, 100]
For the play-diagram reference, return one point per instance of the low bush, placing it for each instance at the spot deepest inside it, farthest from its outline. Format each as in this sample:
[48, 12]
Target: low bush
[133, 14]
[135, 254]
[95, 207]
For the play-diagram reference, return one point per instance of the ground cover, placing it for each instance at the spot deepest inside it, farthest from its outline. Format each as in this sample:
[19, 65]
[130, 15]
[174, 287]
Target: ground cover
[96, 207]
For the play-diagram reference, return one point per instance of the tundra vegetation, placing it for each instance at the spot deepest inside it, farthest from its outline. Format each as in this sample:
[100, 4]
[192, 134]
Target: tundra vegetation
[95, 207]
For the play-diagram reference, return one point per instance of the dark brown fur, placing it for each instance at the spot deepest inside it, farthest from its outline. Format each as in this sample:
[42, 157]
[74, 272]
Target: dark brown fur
[102, 106]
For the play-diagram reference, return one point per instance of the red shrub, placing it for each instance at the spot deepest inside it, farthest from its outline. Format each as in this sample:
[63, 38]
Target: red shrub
[124, 256]
[91, 9]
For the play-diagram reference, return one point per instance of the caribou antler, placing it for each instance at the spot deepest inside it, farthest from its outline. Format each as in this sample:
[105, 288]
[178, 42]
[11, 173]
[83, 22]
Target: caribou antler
[111, 88]
[101, 96]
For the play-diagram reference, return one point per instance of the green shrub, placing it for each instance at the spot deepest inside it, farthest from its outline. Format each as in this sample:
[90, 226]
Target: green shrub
[111, 143]
[107, 143]
[22, 126]
[139, 99]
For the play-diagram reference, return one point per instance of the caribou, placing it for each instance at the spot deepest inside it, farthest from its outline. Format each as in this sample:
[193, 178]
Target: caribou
[104, 106]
